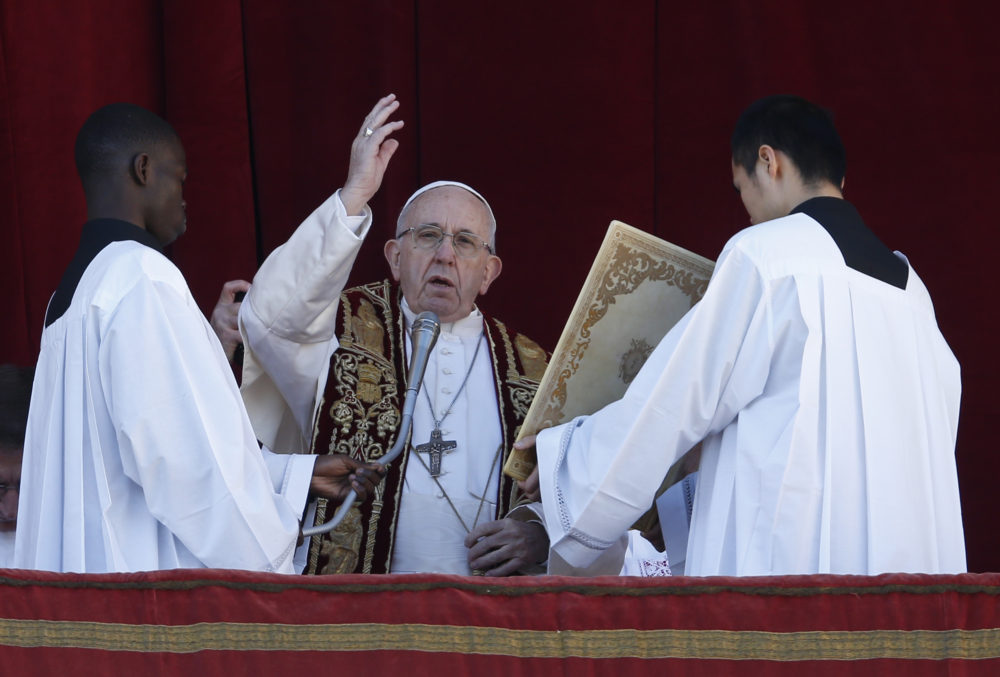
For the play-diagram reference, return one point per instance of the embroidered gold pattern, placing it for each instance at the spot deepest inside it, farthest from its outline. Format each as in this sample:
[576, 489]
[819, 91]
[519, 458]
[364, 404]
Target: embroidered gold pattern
[342, 544]
[365, 381]
[512, 374]
[367, 329]
[532, 357]
[521, 400]
[842, 646]
[364, 394]
[513, 377]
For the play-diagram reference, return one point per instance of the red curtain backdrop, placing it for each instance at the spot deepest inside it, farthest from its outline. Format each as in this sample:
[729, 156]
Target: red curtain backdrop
[564, 114]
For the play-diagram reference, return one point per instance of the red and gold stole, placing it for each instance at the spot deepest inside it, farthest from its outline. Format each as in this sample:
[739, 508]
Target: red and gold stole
[361, 410]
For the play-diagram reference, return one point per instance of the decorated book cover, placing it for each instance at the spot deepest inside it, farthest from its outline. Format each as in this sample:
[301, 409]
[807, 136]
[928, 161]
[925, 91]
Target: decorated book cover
[638, 287]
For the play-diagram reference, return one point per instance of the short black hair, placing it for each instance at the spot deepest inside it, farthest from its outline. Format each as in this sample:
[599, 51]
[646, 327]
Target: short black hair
[15, 396]
[112, 135]
[798, 128]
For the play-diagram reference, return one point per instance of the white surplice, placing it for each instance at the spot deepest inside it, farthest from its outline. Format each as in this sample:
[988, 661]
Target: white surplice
[289, 325]
[828, 405]
[139, 454]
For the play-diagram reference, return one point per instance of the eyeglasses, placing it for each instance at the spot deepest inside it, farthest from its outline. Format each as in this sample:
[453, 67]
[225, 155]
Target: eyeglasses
[464, 243]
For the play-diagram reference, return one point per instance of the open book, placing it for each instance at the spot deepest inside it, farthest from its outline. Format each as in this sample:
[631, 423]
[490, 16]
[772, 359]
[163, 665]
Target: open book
[638, 288]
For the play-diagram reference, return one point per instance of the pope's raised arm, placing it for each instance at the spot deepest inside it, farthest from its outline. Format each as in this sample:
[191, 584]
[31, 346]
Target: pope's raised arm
[289, 315]
[325, 370]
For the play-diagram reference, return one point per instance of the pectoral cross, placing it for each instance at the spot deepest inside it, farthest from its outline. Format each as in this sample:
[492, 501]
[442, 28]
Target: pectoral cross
[435, 447]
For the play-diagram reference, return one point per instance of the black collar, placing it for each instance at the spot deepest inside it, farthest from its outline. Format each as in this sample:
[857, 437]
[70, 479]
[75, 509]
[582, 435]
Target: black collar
[859, 246]
[97, 234]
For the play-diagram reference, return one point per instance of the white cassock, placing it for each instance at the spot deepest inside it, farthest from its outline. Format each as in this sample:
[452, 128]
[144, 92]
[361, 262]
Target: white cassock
[828, 405]
[139, 454]
[288, 322]
[429, 535]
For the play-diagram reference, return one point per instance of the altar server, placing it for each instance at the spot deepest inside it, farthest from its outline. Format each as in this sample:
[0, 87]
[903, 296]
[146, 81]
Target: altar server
[139, 454]
[815, 376]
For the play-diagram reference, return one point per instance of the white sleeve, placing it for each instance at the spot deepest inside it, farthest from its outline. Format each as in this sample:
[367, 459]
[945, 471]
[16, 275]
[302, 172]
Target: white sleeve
[288, 322]
[291, 475]
[598, 474]
[184, 438]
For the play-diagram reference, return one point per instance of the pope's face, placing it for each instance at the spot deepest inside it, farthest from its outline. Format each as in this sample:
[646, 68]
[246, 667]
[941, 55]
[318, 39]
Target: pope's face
[439, 279]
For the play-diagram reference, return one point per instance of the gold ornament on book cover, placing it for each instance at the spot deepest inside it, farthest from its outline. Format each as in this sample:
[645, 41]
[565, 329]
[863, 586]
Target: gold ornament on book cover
[638, 287]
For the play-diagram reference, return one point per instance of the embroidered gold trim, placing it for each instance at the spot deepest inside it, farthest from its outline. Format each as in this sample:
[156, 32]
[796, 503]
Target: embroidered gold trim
[620, 643]
[533, 359]
[501, 505]
[364, 391]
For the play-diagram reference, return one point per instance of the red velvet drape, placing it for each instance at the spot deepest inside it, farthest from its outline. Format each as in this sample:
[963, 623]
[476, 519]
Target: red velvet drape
[565, 115]
[212, 623]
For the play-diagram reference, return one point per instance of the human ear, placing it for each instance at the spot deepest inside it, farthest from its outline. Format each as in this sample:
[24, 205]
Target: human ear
[139, 168]
[769, 157]
[391, 251]
[490, 273]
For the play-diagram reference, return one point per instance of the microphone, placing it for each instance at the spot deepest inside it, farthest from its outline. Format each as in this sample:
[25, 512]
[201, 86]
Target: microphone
[423, 336]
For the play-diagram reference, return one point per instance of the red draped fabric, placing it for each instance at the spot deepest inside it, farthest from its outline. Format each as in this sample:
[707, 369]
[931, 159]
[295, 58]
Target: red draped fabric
[213, 622]
[564, 114]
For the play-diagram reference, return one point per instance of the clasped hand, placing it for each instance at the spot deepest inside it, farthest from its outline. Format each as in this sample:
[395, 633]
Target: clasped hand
[506, 546]
[334, 475]
[224, 316]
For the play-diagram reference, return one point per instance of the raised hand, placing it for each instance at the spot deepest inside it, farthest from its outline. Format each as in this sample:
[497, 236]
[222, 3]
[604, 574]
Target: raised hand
[370, 154]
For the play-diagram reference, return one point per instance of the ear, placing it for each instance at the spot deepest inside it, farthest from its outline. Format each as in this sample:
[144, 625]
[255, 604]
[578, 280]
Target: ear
[490, 273]
[139, 168]
[391, 251]
[770, 160]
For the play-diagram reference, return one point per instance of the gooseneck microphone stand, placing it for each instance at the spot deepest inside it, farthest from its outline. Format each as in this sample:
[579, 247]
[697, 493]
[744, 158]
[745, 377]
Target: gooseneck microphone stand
[423, 336]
